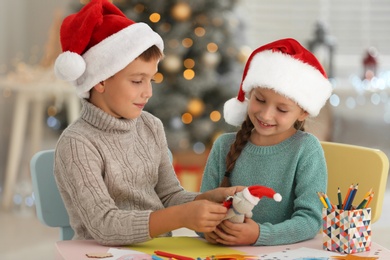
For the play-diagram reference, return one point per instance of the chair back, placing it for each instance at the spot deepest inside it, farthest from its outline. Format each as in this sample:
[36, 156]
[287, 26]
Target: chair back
[49, 205]
[351, 164]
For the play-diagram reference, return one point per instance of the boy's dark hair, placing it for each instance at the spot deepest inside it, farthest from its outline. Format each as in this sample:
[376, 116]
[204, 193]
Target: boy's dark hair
[152, 53]
[242, 138]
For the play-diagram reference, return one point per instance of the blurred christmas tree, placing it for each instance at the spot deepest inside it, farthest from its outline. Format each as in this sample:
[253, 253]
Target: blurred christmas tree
[205, 54]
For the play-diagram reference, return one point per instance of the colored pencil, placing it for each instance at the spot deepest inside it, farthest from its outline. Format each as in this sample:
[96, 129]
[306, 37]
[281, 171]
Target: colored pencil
[322, 199]
[347, 196]
[327, 200]
[363, 203]
[351, 197]
[170, 255]
[340, 206]
[369, 200]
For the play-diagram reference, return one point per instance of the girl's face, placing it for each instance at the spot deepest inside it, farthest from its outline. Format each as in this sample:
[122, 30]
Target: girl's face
[125, 94]
[273, 116]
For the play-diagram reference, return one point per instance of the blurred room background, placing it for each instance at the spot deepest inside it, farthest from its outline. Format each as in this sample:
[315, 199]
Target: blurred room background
[206, 46]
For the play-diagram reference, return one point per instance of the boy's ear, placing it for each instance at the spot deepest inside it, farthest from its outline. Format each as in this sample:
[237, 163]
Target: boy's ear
[99, 87]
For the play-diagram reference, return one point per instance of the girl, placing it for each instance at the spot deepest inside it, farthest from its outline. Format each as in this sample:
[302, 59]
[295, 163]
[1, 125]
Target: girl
[285, 84]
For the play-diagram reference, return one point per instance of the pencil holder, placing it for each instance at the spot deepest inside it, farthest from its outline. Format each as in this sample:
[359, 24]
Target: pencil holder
[346, 231]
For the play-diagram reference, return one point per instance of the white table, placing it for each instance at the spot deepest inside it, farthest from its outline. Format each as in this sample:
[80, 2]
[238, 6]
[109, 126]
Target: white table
[34, 94]
[76, 249]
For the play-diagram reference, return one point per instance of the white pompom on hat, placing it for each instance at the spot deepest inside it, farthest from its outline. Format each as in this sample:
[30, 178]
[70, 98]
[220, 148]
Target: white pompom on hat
[255, 192]
[289, 69]
[99, 41]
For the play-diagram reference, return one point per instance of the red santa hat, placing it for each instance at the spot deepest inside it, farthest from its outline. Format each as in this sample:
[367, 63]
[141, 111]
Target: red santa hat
[286, 67]
[254, 193]
[99, 41]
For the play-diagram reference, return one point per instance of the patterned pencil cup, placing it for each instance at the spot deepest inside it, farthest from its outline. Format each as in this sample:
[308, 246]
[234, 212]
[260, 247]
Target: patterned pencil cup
[346, 231]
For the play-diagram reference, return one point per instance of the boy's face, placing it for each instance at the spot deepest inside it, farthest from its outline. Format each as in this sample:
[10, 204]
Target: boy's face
[125, 94]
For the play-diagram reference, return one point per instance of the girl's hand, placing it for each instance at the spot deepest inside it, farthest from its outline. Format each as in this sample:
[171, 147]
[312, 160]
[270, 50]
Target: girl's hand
[219, 195]
[238, 234]
[211, 237]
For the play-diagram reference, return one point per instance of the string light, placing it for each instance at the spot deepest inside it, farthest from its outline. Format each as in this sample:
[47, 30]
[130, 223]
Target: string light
[199, 148]
[189, 74]
[243, 54]
[212, 47]
[158, 78]
[155, 17]
[334, 100]
[139, 8]
[187, 42]
[189, 63]
[165, 27]
[173, 43]
[196, 107]
[186, 118]
[181, 11]
[215, 116]
[51, 111]
[200, 31]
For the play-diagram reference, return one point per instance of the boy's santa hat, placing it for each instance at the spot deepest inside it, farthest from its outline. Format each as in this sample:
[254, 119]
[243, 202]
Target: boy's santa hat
[289, 69]
[254, 193]
[99, 41]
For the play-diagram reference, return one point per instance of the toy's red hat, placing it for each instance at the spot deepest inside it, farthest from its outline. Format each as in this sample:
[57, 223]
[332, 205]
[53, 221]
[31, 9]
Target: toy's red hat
[289, 69]
[99, 41]
[256, 192]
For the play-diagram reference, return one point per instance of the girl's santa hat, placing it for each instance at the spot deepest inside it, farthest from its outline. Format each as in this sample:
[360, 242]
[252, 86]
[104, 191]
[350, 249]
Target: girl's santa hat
[99, 41]
[254, 193]
[289, 69]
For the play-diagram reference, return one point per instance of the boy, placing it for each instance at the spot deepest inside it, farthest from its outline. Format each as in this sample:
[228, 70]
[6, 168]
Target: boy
[112, 165]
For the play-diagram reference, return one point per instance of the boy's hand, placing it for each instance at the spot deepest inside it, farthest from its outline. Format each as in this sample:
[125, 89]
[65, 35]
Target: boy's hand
[203, 215]
[219, 195]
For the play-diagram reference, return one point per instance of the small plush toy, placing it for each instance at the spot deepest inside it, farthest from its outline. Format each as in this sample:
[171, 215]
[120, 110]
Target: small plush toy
[241, 204]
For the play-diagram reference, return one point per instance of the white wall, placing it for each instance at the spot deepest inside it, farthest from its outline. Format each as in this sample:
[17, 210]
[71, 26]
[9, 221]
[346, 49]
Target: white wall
[355, 25]
[24, 26]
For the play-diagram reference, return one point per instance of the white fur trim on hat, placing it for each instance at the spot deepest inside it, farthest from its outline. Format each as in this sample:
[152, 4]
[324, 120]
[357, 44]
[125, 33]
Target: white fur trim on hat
[290, 77]
[252, 199]
[114, 53]
[235, 111]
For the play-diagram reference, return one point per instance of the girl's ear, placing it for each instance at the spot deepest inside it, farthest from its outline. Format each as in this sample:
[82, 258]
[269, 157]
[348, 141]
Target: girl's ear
[99, 87]
[303, 116]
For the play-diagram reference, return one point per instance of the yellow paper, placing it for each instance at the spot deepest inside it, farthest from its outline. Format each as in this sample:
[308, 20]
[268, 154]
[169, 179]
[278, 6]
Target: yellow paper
[185, 246]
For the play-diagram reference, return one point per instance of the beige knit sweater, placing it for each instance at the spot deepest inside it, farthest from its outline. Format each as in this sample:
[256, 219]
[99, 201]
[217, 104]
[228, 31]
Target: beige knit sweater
[112, 173]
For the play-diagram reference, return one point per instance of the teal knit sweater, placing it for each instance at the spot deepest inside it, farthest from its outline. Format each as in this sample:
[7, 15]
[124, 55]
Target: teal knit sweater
[295, 168]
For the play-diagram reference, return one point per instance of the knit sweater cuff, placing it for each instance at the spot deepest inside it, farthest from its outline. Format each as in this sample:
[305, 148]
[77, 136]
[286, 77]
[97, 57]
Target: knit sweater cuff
[140, 226]
[263, 238]
[190, 196]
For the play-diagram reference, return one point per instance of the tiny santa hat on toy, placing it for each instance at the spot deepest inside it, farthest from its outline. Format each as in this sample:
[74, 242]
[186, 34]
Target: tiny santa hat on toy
[254, 193]
[286, 67]
[99, 41]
